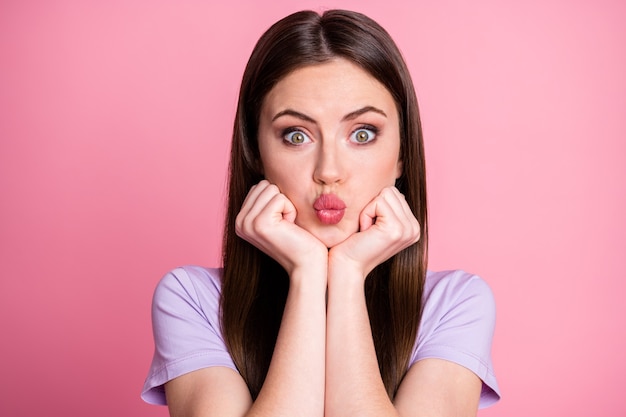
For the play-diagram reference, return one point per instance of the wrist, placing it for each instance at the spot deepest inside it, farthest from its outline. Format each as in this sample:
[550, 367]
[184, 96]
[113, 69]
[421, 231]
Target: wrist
[312, 274]
[345, 274]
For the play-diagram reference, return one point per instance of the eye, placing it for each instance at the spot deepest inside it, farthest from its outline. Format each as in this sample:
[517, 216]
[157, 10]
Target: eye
[364, 134]
[296, 137]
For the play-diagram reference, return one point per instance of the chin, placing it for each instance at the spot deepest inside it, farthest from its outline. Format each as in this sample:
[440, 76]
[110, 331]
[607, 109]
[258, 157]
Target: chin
[329, 235]
[331, 238]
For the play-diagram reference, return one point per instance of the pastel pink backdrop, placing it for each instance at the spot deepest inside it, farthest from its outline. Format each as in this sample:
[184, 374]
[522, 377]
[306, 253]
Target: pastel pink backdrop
[115, 120]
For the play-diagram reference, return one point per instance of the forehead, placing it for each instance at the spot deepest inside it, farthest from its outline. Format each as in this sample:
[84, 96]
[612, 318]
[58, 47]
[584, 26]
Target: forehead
[337, 85]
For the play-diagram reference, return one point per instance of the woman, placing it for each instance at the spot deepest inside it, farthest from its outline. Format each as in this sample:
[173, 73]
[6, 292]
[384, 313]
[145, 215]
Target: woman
[324, 286]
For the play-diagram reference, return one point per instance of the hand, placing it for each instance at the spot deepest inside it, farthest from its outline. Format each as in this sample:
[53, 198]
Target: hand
[266, 220]
[386, 226]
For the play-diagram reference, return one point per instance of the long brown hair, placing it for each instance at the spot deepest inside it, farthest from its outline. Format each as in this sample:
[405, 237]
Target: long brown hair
[254, 287]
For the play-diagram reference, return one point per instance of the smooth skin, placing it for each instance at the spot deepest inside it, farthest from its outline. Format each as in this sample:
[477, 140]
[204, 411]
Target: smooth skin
[328, 128]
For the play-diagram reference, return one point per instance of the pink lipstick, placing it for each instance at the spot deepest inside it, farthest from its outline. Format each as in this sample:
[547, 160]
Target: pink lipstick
[329, 208]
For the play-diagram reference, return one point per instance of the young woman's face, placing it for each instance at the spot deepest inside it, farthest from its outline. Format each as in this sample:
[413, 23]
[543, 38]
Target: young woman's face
[329, 138]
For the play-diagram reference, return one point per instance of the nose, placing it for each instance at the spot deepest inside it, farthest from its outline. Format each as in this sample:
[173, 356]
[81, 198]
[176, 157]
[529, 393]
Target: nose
[329, 167]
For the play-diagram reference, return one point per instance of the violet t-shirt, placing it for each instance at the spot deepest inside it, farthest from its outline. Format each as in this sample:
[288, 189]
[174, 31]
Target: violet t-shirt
[457, 325]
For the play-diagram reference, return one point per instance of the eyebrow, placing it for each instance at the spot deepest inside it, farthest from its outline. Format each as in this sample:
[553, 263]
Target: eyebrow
[366, 109]
[349, 116]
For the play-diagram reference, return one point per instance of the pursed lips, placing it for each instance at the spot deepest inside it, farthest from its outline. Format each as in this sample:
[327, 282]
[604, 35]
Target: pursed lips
[329, 208]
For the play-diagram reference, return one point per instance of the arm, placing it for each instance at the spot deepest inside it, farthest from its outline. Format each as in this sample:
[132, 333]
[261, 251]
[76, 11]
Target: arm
[353, 383]
[294, 385]
[432, 387]
[435, 387]
[295, 381]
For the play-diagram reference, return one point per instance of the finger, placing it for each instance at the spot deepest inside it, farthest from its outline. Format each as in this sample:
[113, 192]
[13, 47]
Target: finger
[279, 207]
[379, 212]
[403, 203]
[257, 198]
[410, 222]
[395, 218]
[287, 208]
[266, 192]
[268, 209]
[251, 197]
[372, 211]
[367, 216]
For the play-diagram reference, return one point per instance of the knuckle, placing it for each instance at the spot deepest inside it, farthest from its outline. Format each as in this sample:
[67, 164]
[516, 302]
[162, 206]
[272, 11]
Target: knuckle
[239, 224]
[396, 234]
[416, 234]
[386, 192]
[273, 188]
[259, 226]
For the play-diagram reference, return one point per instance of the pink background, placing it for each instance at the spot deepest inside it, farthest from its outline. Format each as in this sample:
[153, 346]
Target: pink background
[115, 118]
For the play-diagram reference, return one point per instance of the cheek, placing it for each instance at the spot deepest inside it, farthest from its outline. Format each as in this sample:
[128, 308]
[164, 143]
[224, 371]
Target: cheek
[398, 168]
[268, 164]
[389, 171]
[288, 178]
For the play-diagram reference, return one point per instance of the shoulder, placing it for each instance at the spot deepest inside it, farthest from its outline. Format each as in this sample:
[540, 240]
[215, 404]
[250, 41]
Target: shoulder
[187, 297]
[186, 328]
[458, 323]
[193, 276]
[456, 304]
[195, 284]
[445, 290]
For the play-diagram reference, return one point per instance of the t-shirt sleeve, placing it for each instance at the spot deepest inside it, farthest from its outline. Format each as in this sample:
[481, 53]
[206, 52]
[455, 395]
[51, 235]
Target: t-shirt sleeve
[458, 322]
[186, 327]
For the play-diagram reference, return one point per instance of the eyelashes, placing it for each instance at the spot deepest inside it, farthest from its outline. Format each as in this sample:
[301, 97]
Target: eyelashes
[362, 135]
[294, 136]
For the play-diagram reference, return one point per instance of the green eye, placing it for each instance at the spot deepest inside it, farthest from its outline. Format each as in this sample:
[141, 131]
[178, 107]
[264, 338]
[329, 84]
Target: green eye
[296, 137]
[363, 135]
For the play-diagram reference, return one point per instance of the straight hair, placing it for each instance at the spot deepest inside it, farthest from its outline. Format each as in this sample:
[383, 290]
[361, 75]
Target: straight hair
[254, 286]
